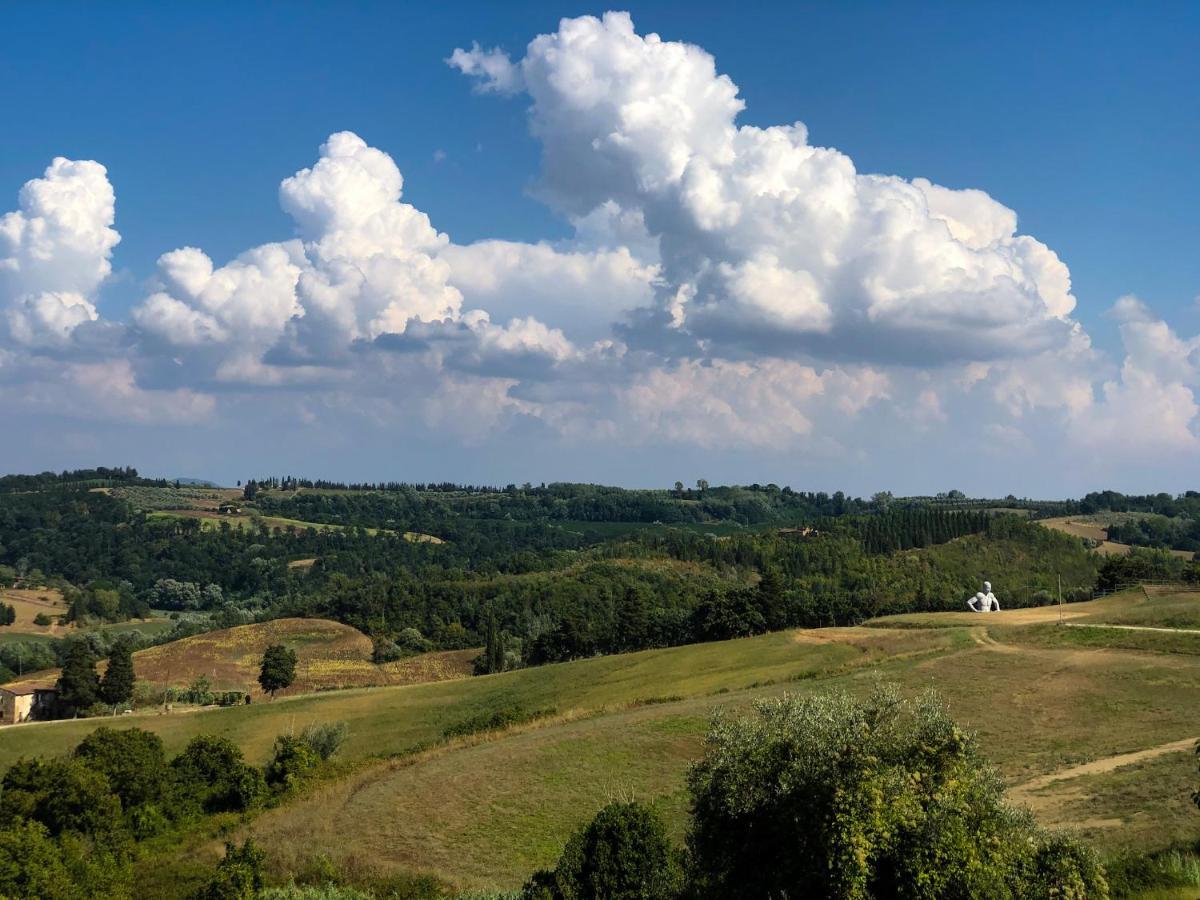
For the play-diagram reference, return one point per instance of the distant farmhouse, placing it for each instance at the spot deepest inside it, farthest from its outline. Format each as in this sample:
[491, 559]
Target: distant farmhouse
[229, 508]
[26, 703]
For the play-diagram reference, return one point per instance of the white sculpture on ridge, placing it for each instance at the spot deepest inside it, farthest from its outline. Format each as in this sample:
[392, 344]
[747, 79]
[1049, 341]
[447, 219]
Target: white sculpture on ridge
[984, 601]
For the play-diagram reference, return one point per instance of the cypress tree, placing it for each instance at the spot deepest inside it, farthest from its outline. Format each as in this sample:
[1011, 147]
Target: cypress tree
[770, 599]
[78, 686]
[494, 649]
[117, 684]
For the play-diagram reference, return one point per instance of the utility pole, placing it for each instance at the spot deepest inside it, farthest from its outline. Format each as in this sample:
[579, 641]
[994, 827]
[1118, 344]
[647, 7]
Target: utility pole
[1060, 606]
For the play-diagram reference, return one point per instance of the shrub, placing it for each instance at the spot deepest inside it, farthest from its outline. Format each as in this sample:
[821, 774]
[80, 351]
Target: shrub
[131, 759]
[238, 875]
[294, 759]
[622, 854]
[64, 795]
[412, 641]
[855, 799]
[42, 619]
[211, 774]
[385, 651]
[31, 864]
[326, 738]
[1134, 873]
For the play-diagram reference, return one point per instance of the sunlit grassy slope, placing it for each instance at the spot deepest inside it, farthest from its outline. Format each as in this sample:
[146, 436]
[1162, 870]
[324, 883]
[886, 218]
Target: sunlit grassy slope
[486, 811]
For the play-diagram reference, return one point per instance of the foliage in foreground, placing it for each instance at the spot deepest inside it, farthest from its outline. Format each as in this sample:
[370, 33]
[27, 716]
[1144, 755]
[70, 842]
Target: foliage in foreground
[622, 854]
[832, 797]
[70, 826]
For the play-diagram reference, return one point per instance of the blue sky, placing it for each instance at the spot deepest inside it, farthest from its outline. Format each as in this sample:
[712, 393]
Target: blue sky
[1082, 118]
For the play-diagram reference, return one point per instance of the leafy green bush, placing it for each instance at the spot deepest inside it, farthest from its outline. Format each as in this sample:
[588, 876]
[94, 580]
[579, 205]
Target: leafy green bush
[293, 761]
[31, 864]
[853, 799]
[211, 775]
[325, 738]
[622, 854]
[412, 641]
[131, 759]
[42, 620]
[1131, 874]
[385, 651]
[64, 795]
[238, 875]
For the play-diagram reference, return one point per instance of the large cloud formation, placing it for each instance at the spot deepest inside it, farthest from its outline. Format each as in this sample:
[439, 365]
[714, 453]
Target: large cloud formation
[55, 251]
[728, 287]
[770, 244]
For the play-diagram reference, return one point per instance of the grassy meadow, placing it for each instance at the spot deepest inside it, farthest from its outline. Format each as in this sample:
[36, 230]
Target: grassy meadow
[1064, 720]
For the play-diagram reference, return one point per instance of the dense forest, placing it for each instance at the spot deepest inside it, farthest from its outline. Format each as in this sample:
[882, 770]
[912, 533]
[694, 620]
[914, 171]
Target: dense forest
[536, 574]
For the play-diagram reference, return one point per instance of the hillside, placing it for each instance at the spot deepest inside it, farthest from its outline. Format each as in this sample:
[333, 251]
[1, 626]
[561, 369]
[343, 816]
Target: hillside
[1094, 529]
[329, 656]
[29, 603]
[1058, 709]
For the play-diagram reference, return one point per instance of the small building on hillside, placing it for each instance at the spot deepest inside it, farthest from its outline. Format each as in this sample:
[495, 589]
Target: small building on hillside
[26, 703]
[229, 508]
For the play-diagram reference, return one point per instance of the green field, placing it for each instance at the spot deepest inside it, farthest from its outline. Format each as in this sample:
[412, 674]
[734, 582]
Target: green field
[1057, 718]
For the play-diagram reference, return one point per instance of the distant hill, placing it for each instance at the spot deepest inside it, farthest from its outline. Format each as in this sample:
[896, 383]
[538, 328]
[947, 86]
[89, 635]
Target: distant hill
[329, 655]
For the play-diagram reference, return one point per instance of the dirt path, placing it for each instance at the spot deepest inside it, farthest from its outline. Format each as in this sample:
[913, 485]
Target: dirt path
[981, 637]
[1135, 628]
[1023, 793]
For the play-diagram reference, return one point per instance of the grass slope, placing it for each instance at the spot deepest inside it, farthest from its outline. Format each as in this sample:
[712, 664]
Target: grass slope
[484, 811]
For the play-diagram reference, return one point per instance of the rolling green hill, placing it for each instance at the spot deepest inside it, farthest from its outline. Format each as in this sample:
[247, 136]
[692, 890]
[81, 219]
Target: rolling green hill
[1096, 736]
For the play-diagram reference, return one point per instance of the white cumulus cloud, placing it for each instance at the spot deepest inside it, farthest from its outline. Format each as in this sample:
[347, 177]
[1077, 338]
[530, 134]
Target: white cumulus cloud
[55, 251]
[768, 243]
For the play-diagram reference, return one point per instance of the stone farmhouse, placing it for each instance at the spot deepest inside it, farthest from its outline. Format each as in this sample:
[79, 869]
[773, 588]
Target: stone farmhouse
[26, 703]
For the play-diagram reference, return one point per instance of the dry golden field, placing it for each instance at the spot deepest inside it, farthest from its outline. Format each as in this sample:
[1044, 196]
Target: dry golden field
[329, 656]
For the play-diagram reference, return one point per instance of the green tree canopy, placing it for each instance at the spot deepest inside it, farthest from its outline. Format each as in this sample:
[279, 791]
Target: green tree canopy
[622, 854]
[131, 759]
[211, 774]
[835, 797]
[65, 796]
[78, 685]
[278, 668]
[117, 684]
[31, 864]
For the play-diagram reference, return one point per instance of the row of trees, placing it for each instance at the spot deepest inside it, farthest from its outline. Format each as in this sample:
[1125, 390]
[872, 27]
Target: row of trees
[71, 826]
[79, 688]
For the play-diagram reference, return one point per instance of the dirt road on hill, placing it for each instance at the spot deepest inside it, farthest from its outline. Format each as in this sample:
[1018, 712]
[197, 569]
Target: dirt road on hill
[1025, 792]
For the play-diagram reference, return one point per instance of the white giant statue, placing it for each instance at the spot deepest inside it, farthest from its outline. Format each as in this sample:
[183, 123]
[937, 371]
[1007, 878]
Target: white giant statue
[984, 601]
